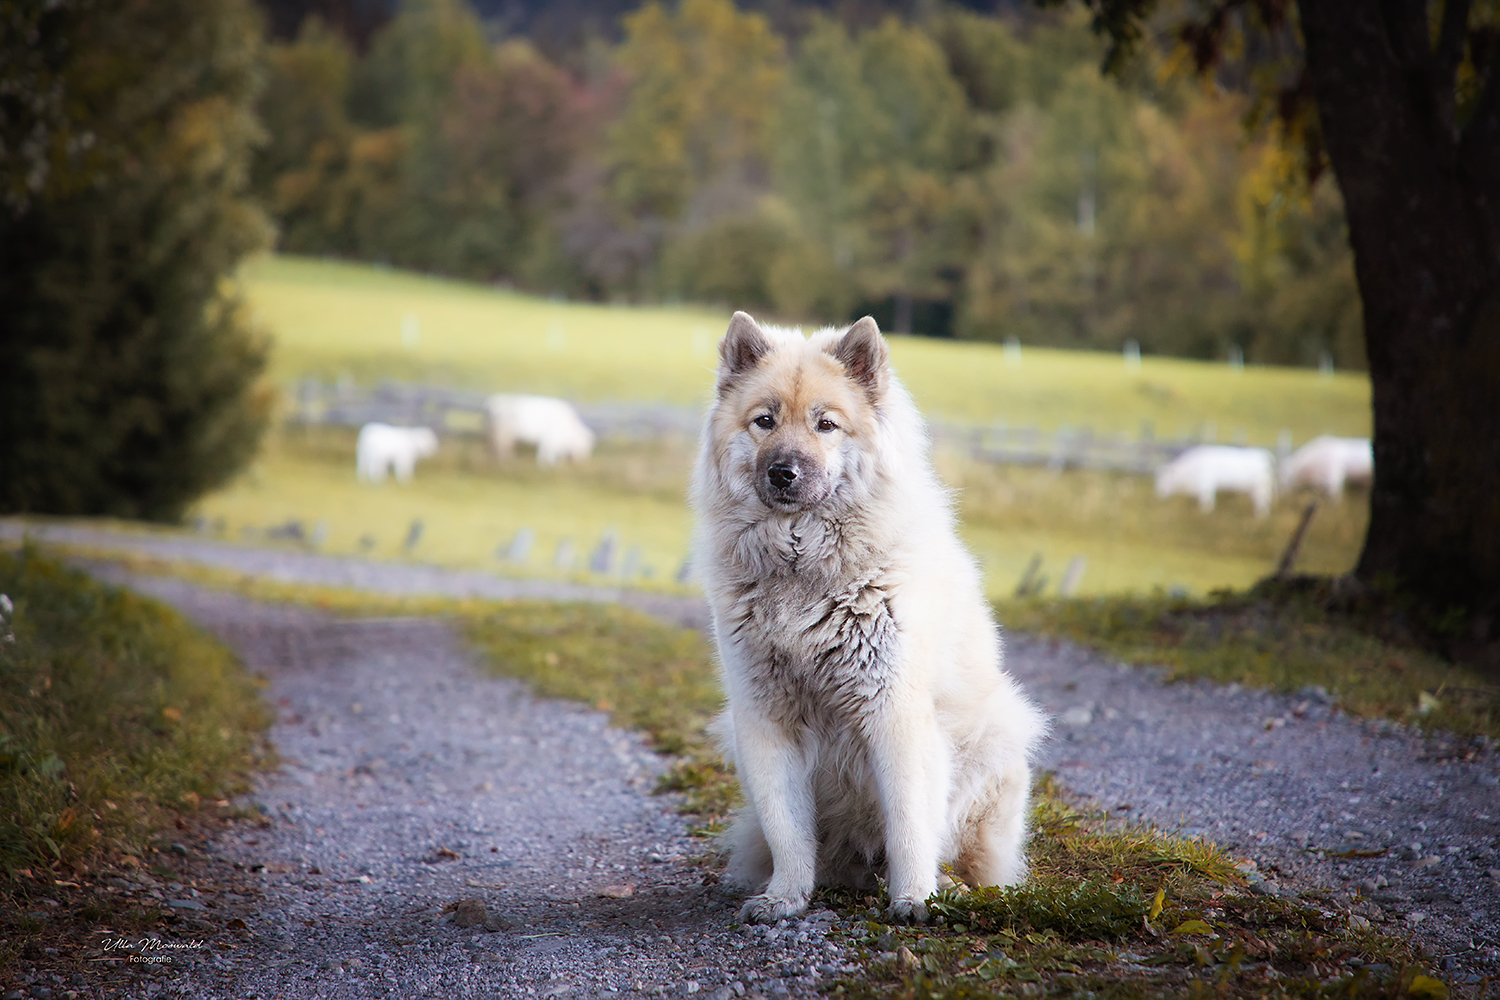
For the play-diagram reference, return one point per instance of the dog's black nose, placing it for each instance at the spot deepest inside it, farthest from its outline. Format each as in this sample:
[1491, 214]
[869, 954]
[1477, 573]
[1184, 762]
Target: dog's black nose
[782, 475]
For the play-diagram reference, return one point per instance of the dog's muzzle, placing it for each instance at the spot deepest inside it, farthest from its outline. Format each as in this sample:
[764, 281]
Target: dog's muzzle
[789, 481]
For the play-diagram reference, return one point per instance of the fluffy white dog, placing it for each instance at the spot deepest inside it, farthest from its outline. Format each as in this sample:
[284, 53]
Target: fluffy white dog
[382, 448]
[871, 723]
[551, 425]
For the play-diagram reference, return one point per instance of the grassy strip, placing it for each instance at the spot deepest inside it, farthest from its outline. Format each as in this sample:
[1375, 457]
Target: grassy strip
[1110, 910]
[1125, 913]
[647, 675]
[117, 719]
[114, 712]
[1281, 640]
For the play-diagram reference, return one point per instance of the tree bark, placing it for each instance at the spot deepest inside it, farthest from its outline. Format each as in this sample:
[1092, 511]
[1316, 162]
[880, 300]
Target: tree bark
[1423, 203]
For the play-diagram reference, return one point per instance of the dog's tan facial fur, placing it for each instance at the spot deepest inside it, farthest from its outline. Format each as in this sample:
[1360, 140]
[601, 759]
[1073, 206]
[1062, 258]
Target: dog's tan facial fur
[794, 414]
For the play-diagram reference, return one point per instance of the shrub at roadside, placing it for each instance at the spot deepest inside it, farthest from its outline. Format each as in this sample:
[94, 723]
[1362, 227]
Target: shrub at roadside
[114, 712]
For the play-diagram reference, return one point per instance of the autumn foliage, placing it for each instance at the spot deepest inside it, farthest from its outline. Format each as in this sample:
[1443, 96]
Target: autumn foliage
[959, 174]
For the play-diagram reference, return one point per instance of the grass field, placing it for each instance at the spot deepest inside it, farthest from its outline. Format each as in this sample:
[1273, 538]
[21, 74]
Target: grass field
[470, 505]
[333, 319]
[329, 318]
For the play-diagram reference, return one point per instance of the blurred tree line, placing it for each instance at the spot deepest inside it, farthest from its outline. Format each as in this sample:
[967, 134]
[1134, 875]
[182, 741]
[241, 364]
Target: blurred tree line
[954, 174]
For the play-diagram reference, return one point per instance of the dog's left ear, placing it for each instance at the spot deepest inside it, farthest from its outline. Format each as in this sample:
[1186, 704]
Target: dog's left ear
[865, 357]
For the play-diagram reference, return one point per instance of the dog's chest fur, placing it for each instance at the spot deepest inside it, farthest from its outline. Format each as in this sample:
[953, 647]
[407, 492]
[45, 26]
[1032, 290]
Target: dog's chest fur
[818, 652]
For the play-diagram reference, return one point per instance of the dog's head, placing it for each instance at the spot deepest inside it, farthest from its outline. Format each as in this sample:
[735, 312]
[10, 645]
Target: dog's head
[799, 418]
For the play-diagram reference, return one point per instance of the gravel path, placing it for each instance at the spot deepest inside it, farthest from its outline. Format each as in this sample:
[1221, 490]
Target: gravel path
[1292, 784]
[412, 781]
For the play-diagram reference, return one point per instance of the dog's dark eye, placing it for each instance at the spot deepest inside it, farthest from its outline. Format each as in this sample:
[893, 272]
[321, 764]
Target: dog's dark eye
[825, 425]
[765, 421]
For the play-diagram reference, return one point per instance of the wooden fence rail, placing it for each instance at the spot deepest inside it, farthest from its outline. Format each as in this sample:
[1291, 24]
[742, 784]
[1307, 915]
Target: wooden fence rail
[462, 412]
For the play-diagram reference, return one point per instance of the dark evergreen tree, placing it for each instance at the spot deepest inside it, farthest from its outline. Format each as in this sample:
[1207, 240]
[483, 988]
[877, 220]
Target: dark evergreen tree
[128, 373]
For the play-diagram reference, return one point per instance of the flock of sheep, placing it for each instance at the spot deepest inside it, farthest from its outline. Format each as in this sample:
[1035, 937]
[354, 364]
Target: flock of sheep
[1325, 463]
[551, 426]
[554, 429]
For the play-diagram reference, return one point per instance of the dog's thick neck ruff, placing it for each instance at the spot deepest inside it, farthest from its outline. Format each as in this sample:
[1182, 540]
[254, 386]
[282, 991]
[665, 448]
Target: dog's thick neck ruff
[872, 493]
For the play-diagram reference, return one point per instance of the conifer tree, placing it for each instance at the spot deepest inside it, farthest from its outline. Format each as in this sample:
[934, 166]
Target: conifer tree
[128, 375]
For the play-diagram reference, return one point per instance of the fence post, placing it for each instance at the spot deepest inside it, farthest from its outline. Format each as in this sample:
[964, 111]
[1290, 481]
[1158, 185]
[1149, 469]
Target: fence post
[1060, 442]
[603, 558]
[1146, 448]
[1031, 584]
[519, 548]
[1072, 576]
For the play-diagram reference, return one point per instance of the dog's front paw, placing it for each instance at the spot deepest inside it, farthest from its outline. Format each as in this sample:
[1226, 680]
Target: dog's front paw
[767, 909]
[906, 911]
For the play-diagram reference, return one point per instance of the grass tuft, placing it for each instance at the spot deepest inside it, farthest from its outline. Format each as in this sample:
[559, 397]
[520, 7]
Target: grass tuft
[1089, 908]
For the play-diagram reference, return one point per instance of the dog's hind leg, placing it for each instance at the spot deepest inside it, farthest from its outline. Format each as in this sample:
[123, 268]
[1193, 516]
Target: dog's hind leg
[749, 854]
[993, 846]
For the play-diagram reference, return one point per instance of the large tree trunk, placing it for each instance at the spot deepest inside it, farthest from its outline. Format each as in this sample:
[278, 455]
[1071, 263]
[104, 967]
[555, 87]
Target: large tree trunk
[1423, 203]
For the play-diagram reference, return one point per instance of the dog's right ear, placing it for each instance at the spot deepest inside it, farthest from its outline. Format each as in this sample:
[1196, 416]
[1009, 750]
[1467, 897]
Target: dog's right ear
[741, 350]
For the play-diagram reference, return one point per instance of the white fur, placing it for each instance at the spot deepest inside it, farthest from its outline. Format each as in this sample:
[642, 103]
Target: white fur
[870, 721]
[382, 447]
[551, 425]
[1327, 463]
[1204, 470]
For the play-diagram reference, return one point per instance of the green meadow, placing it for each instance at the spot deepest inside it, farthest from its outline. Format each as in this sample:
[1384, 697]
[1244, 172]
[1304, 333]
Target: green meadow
[334, 320]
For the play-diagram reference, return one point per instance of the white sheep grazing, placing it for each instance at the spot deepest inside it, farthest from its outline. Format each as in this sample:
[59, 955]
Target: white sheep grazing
[382, 447]
[552, 425]
[1327, 463]
[1204, 470]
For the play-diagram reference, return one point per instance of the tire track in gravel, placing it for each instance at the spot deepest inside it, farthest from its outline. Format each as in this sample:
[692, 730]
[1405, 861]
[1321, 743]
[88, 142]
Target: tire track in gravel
[1287, 781]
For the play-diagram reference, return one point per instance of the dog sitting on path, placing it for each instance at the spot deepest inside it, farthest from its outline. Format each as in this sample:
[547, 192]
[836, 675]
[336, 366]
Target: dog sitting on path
[872, 726]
